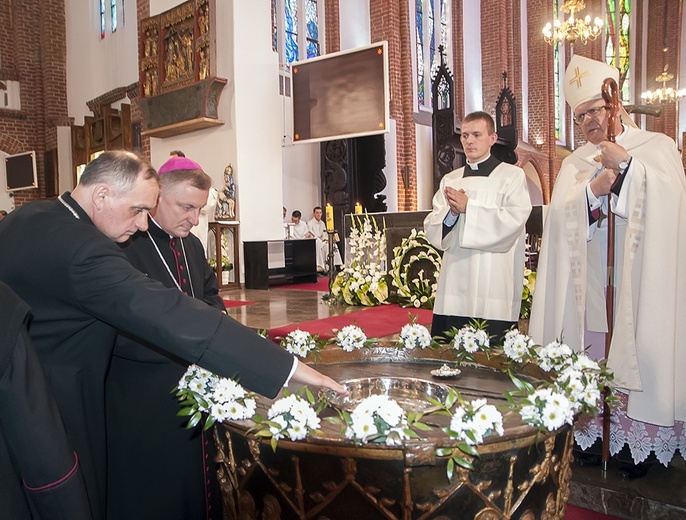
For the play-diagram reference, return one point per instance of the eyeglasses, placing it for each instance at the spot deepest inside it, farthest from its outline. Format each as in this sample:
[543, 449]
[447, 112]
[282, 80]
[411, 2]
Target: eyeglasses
[593, 113]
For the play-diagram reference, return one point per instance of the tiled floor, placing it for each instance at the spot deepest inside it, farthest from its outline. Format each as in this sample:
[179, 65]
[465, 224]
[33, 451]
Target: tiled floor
[659, 495]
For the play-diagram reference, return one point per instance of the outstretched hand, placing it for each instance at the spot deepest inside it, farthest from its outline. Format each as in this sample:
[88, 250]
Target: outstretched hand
[306, 375]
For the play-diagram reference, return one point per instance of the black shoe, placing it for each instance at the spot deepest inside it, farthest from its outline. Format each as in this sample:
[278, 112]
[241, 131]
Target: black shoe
[633, 471]
[588, 459]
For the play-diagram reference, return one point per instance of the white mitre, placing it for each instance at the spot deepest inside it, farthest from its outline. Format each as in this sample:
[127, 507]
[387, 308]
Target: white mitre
[583, 82]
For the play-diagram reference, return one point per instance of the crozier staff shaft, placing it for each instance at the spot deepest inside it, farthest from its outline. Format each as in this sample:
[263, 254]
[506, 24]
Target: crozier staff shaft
[610, 93]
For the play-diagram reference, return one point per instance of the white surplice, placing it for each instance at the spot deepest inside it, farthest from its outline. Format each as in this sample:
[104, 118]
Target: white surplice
[483, 262]
[648, 349]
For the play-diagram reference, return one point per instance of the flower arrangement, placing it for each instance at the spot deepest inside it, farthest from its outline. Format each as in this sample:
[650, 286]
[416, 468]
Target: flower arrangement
[200, 391]
[518, 346]
[413, 335]
[527, 293]
[290, 417]
[469, 340]
[469, 424]
[301, 343]
[575, 385]
[226, 263]
[363, 280]
[414, 271]
[351, 337]
[379, 419]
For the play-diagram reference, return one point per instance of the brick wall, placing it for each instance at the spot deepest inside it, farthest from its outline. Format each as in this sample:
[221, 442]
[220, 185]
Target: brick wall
[500, 51]
[663, 32]
[332, 24]
[390, 21]
[34, 53]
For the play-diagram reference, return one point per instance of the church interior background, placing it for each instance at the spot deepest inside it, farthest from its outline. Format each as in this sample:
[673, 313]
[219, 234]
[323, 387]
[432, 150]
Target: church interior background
[213, 78]
[76, 78]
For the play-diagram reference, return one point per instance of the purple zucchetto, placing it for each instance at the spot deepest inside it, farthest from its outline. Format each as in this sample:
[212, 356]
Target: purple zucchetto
[179, 163]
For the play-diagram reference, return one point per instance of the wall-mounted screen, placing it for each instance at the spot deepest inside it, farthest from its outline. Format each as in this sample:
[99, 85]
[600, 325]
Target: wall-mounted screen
[20, 171]
[340, 95]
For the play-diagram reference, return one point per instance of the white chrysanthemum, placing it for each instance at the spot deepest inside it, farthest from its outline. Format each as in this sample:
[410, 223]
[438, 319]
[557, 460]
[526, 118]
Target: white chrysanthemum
[583, 362]
[235, 411]
[391, 412]
[363, 427]
[294, 416]
[516, 345]
[218, 412]
[351, 337]
[474, 420]
[414, 335]
[554, 356]
[297, 431]
[281, 426]
[299, 342]
[227, 389]
[197, 385]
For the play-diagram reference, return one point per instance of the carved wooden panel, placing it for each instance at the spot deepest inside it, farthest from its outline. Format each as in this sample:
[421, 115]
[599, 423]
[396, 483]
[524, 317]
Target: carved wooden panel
[177, 48]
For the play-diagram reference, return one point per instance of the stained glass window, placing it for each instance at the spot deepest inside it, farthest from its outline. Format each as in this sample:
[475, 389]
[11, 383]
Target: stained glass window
[617, 42]
[297, 36]
[113, 11]
[312, 28]
[102, 19]
[291, 30]
[427, 33]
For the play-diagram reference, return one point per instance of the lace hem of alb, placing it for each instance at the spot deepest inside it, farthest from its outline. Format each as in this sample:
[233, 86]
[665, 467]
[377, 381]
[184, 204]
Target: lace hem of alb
[642, 438]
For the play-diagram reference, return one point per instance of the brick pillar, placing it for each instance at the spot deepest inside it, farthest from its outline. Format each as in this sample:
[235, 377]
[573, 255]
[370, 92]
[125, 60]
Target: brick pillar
[332, 26]
[541, 89]
[390, 21]
[54, 67]
[663, 33]
[458, 59]
[501, 51]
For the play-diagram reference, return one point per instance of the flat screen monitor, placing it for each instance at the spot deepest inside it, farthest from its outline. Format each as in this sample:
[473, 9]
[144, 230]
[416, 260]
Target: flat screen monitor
[20, 171]
[340, 95]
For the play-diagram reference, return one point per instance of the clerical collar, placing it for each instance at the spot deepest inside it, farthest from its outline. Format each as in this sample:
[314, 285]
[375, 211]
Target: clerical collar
[73, 207]
[482, 168]
[157, 231]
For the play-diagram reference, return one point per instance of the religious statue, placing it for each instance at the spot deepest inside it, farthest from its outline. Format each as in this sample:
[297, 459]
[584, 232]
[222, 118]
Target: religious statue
[226, 205]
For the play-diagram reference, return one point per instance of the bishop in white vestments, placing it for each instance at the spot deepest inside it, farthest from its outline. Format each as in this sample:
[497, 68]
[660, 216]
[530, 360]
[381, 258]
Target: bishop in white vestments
[642, 175]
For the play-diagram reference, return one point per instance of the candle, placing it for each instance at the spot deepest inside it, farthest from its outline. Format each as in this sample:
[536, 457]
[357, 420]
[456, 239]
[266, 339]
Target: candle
[358, 208]
[329, 217]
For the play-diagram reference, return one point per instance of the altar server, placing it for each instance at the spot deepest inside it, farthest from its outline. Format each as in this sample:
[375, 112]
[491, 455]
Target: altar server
[478, 219]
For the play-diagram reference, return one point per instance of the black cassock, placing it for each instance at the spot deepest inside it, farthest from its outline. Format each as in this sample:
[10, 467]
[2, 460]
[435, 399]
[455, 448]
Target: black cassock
[155, 464]
[82, 289]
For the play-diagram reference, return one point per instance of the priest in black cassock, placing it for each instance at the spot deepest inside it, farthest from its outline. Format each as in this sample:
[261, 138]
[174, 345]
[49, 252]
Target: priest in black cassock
[156, 467]
[63, 260]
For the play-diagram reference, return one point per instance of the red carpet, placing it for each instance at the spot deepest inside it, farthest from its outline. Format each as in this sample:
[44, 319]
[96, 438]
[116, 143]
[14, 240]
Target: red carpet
[578, 513]
[321, 285]
[236, 303]
[376, 322]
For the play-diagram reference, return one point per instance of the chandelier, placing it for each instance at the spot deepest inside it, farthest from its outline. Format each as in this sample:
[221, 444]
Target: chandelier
[664, 94]
[573, 28]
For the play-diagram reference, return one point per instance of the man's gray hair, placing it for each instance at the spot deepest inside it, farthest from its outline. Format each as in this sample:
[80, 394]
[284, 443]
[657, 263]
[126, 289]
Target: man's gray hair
[119, 169]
